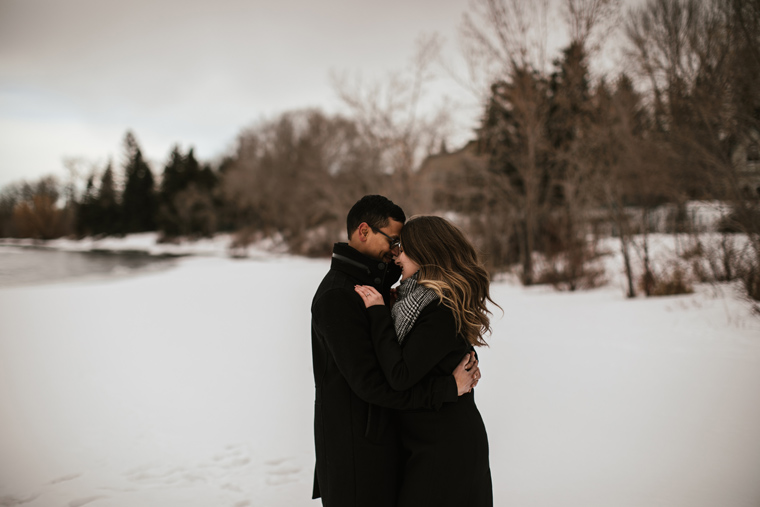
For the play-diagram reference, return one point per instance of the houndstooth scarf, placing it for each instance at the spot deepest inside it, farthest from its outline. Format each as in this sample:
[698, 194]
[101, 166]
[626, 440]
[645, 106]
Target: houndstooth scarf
[412, 298]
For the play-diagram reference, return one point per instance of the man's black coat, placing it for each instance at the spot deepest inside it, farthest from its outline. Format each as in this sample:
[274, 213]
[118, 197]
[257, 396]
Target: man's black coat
[357, 447]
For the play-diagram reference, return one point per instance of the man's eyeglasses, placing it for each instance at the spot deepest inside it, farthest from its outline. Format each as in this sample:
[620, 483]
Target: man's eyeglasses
[394, 243]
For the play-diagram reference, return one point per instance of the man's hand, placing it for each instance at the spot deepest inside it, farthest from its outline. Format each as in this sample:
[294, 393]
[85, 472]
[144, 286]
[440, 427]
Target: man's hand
[472, 361]
[467, 374]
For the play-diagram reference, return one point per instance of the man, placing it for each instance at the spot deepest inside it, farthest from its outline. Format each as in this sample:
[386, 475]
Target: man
[357, 450]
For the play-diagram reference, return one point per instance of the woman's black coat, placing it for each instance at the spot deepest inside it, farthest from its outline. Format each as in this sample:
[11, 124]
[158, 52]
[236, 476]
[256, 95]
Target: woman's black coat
[445, 451]
[357, 445]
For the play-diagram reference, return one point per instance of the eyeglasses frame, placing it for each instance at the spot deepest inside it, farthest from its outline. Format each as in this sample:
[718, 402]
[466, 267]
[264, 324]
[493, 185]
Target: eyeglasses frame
[394, 243]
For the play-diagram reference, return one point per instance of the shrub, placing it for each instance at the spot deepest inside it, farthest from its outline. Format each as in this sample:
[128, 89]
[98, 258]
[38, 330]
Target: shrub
[693, 251]
[750, 278]
[570, 273]
[672, 282]
[738, 222]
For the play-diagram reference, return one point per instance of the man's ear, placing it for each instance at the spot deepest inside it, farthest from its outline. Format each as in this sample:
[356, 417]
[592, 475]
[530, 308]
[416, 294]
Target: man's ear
[363, 231]
[360, 233]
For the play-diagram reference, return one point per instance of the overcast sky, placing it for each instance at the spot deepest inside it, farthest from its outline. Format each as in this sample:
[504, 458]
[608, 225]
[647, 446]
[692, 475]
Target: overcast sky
[76, 74]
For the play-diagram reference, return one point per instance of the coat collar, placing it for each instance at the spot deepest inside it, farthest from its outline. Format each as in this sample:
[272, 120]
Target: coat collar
[365, 269]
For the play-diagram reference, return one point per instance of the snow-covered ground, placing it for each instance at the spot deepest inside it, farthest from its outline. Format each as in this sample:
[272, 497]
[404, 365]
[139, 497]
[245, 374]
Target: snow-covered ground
[193, 387]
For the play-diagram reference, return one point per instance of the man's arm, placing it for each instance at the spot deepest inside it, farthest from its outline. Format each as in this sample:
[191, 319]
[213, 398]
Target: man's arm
[340, 318]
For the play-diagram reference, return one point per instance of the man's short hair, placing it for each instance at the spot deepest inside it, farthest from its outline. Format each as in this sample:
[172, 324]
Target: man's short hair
[376, 210]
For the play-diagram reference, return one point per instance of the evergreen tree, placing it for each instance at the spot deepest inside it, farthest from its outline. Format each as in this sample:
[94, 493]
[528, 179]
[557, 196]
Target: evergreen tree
[192, 169]
[187, 205]
[195, 204]
[10, 195]
[570, 110]
[108, 217]
[207, 178]
[138, 199]
[573, 172]
[513, 134]
[87, 209]
[534, 131]
[172, 182]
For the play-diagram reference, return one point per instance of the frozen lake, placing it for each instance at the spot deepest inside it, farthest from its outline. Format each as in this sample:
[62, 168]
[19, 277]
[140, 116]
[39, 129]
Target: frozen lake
[30, 265]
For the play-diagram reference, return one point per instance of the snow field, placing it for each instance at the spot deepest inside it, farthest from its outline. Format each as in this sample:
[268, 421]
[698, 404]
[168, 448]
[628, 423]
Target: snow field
[193, 387]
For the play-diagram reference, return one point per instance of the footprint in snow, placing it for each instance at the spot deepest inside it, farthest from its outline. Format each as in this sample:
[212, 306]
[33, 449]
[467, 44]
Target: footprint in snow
[234, 456]
[12, 501]
[281, 471]
[65, 478]
[84, 501]
[161, 475]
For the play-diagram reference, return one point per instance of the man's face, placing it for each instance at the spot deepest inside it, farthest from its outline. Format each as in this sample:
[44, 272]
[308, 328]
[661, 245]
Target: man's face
[378, 244]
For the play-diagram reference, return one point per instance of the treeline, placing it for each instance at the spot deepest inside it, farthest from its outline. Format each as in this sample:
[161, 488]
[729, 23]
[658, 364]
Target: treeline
[294, 175]
[184, 201]
[560, 158]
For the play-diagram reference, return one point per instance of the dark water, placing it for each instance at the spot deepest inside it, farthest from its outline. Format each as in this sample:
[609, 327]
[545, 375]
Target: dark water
[29, 265]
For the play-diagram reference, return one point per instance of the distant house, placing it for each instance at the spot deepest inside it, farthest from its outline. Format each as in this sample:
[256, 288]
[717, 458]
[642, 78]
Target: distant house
[746, 161]
[456, 181]
[453, 180]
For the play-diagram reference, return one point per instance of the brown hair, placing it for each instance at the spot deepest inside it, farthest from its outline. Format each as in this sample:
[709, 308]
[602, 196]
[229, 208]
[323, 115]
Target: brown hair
[449, 265]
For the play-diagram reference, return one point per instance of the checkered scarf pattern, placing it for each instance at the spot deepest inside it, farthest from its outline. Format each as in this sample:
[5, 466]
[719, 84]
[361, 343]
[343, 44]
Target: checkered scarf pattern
[412, 298]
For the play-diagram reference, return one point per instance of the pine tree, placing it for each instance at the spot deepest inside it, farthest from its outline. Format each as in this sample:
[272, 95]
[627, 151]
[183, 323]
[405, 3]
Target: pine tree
[513, 134]
[87, 209]
[567, 129]
[187, 206]
[138, 199]
[172, 182]
[108, 219]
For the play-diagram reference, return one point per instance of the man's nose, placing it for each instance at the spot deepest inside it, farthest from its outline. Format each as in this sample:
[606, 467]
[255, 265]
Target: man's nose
[394, 251]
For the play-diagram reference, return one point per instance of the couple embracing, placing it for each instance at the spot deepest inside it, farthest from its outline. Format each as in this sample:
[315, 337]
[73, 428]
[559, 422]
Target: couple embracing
[395, 420]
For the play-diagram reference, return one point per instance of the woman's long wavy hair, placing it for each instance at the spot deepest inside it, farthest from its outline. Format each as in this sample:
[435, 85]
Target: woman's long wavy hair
[449, 265]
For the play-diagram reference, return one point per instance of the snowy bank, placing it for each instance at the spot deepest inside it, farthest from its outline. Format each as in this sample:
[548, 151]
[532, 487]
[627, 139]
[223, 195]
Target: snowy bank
[148, 243]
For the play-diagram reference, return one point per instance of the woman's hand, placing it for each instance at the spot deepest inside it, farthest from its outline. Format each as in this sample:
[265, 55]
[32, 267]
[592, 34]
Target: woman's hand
[369, 295]
[467, 374]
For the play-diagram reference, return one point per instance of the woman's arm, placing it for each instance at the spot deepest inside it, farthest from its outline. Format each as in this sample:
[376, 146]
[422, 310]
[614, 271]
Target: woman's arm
[431, 339]
[345, 337]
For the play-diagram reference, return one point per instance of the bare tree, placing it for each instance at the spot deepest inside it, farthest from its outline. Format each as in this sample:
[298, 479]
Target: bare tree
[501, 35]
[296, 175]
[398, 118]
[699, 63]
[590, 22]
[504, 44]
[37, 213]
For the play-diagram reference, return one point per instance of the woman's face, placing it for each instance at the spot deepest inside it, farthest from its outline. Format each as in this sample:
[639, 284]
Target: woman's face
[408, 266]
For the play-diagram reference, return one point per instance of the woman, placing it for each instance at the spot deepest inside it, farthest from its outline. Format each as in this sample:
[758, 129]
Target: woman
[439, 315]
